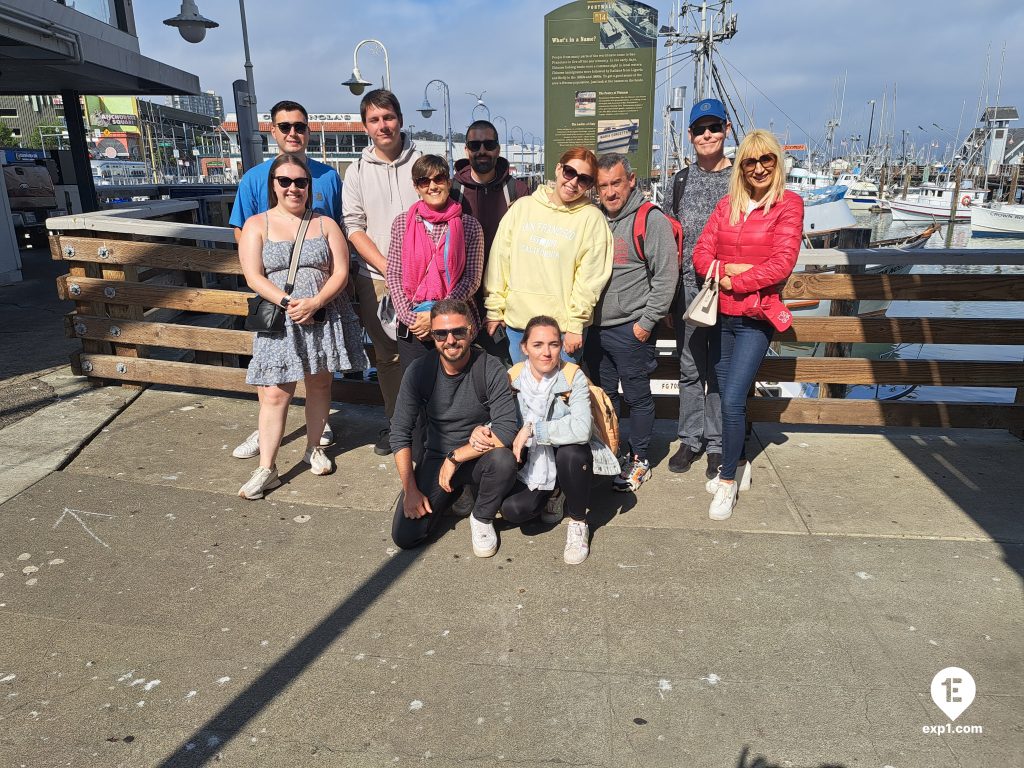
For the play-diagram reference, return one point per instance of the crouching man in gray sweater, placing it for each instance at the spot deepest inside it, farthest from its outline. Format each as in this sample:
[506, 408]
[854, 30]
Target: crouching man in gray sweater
[619, 345]
[457, 388]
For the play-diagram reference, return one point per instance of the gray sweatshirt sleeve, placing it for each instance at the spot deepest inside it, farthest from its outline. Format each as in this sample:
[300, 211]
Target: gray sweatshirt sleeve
[407, 407]
[663, 259]
[500, 401]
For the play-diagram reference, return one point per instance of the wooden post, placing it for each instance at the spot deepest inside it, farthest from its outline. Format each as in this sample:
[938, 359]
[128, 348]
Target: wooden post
[956, 195]
[849, 238]
[883, 181]
[906, 180]
[1014, 174]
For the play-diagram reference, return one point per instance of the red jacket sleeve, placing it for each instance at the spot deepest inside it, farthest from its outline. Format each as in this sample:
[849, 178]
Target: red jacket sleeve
[705, 250]
[785, 248]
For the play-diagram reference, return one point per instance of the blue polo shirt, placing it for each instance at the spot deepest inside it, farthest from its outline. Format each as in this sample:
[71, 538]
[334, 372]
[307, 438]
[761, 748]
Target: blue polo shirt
[251, 197]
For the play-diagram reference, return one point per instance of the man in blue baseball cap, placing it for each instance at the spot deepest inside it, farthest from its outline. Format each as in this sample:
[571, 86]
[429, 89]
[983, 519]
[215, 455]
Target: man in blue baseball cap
[695, 192]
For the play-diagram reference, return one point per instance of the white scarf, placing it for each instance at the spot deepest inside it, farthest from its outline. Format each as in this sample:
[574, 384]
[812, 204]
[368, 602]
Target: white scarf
[534, 396]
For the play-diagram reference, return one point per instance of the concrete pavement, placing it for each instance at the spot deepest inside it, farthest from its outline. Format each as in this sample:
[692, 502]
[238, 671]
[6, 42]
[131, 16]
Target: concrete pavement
[153, 618]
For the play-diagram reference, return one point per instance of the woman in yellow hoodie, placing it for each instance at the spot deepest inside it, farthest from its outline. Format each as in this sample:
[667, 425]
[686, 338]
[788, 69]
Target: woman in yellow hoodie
[552, 255]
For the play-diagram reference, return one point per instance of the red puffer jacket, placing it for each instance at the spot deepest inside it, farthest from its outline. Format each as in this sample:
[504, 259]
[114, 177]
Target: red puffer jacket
[771, 242]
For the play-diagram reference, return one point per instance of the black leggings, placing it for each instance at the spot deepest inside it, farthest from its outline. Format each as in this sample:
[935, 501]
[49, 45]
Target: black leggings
[575, 471]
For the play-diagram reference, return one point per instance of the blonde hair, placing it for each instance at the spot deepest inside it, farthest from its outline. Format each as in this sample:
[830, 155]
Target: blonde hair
[756, 143]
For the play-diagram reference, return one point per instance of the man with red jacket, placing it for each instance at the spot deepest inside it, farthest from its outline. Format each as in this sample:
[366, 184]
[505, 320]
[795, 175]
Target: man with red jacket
[486, 188]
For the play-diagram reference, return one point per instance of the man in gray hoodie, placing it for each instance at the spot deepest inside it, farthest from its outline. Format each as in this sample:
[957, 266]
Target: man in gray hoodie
[619, 344]
[378, 186]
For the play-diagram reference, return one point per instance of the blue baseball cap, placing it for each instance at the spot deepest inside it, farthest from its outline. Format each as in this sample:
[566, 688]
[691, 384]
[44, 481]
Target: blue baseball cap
[707, 108]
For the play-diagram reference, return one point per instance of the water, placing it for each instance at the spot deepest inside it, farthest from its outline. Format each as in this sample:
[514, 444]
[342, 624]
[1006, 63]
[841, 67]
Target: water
[883, 227]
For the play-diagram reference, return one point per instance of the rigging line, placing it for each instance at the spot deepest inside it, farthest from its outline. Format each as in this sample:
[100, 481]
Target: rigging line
[754, 86]
[740, 130]
[683, 59]
[746, 113]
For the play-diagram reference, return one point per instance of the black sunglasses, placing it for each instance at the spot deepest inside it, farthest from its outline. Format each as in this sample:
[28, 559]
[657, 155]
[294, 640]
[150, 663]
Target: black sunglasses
[767, 162]
[423, 181]
[441, 334]
[286, 128]
[698, 130]
[583, 179]
[489, 144]
[300, 183]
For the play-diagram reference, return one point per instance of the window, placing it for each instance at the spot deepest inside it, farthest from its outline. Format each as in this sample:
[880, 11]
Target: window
[8, 112]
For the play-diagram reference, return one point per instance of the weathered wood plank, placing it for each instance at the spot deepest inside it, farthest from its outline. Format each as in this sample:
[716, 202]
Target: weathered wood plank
[164, 335]
[904, 330]
[183, 257]
[958, 373]
[919, 287]
[170, 297]
[880, 413]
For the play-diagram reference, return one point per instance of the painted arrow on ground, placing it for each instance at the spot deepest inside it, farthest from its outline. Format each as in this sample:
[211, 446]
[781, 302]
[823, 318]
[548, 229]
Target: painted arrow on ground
[75, 514]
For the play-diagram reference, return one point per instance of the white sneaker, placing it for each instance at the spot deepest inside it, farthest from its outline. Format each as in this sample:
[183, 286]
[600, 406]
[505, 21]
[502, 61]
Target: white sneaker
[555, 509]
[328, 435]
[577, 543]
[319, 463]
[262, 479]
[485, 540]
[724, 502]
[249, 448]
[744, 479]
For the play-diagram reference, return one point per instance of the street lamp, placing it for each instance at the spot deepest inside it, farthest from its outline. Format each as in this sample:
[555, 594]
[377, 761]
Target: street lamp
[522, 141]
[356, 83]
[479, 104]
[871, 124]
[533, 154]
[499, 117]
[191, 24]
[426, 109]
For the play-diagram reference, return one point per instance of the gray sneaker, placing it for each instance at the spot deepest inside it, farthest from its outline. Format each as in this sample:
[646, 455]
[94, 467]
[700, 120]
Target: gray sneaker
[248, 449]
[328, 435]
[577, 543]
[262, 479]
[319, 462]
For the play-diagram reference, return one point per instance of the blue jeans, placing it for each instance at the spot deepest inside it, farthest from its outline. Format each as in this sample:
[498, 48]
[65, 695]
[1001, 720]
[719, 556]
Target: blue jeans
[738, 345]
[515, 350]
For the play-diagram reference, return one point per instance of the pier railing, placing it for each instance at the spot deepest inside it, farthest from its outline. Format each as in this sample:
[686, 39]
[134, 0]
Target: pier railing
[157, 302]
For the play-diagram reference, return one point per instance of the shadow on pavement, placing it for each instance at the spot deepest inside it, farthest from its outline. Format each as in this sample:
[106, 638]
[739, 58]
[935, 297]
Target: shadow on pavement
[760, 762]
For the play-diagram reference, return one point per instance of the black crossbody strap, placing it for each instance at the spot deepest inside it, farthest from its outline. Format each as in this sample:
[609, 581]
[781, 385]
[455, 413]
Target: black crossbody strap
[300, 238]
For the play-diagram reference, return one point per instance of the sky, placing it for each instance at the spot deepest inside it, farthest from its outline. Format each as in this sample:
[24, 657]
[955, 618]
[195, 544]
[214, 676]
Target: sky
[785, 60]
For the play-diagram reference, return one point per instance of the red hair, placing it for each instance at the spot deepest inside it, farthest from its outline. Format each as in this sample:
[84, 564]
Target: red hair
[580, 153]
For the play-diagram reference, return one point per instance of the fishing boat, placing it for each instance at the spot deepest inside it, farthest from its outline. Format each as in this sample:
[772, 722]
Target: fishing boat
[934, 200]
[803, 180]
[861, 194]
[825, 214]
[998, 220]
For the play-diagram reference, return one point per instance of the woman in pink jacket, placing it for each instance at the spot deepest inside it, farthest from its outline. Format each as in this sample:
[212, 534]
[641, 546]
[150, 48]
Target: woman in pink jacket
[754, 234]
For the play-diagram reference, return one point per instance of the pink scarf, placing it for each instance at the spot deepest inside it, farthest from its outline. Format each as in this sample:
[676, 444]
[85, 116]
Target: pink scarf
[426, 274]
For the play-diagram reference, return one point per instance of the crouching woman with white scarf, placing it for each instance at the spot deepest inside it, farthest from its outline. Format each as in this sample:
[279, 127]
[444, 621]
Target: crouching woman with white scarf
[553, 444]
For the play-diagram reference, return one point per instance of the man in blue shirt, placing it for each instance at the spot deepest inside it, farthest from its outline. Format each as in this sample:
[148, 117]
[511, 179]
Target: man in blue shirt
[290, 129]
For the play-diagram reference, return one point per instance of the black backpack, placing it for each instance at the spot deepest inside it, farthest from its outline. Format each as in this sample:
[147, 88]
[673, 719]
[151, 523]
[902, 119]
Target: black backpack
[509, 188]
[678, 187]
[477, 372]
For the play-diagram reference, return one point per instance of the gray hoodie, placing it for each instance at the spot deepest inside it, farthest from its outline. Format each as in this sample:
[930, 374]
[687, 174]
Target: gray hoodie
[375, 191]
[638, 293]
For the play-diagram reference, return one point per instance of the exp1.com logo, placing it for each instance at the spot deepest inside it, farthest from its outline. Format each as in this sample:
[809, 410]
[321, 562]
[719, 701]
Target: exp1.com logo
[953, 691]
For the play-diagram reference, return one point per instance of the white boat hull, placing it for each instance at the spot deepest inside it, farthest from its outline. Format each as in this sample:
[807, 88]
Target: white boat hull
[903, 210]
[998, 220]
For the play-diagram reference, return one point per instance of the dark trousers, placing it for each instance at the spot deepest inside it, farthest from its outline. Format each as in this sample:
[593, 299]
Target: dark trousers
[411, 348]
[575, 471]
[494, 473]
[613, 355]
[738, 345]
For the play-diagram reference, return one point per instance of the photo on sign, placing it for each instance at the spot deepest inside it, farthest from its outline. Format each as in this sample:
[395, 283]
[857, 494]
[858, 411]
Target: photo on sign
[586, 104]
[617, 136]
[629, 25]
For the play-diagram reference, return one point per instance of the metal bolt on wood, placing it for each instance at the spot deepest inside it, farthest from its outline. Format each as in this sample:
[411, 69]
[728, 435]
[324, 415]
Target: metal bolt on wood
[103, 252]
[75, 289]
[110, 292]
[122, 368]
[115, 331]
[80, 329]
[87, 367]
[69, 251]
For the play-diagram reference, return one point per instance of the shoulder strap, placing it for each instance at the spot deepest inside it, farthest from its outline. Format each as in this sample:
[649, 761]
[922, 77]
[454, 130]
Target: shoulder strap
[478, 372]
[569, 370]
[640, 229]
[300, 237]
[513, 375]
[456, 191]
[428, 376]
[510, 190]
[678, 187]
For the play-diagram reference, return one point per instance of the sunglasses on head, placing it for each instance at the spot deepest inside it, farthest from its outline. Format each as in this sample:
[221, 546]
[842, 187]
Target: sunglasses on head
[489, 144]
[583, 179]
[698, 130]
[424, 181]
[300, 183]
[441, 334]
[286, 128]
[767, 162]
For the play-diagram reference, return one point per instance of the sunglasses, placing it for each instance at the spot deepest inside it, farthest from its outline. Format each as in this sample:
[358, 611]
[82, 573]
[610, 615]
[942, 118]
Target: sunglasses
[698, 130]
[286, 128]
[583, 179]
[767, 162]
[300, 183]
[424, 181]
[441, 334]
[489, 144]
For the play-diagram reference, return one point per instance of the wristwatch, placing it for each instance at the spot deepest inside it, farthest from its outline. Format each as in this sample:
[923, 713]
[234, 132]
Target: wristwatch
[285, 301]
[452, 459]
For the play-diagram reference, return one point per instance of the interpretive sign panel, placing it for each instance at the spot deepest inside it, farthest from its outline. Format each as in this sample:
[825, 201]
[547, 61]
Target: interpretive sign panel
[599, 80]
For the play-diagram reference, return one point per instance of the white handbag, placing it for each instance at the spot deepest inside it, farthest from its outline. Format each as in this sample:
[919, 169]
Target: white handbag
[387, 316]
[703, 310]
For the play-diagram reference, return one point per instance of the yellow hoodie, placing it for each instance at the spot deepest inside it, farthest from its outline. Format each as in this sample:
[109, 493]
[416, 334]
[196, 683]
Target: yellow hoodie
[548, 259]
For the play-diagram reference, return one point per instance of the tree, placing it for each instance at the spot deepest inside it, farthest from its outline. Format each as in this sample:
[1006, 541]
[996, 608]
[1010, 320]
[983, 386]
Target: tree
[7, 138]
[51, 137]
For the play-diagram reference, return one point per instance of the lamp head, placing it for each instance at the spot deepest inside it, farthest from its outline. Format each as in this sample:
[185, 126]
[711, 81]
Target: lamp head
[356, 84]
[425, 108]
[191, 24]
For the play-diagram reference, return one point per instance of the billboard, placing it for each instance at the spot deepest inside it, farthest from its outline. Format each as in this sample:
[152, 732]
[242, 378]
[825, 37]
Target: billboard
[599, 60]
[117, 114]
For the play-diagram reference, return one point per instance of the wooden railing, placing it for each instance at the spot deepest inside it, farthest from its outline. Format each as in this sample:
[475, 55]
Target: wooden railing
[157, 302]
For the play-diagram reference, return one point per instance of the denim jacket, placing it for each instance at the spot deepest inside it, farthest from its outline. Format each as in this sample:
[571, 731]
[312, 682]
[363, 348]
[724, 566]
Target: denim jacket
[567, 423]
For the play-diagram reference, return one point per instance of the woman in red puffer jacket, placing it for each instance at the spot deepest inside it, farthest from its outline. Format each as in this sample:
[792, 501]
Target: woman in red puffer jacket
[755, 235]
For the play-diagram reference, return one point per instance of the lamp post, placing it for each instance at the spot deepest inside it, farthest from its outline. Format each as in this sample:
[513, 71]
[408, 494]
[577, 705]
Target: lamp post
[533, 156]
[871, 124]
[522, 140]
[356, 83]
[192, 27]
[479, 104]
[499, 117]
[426, 109]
